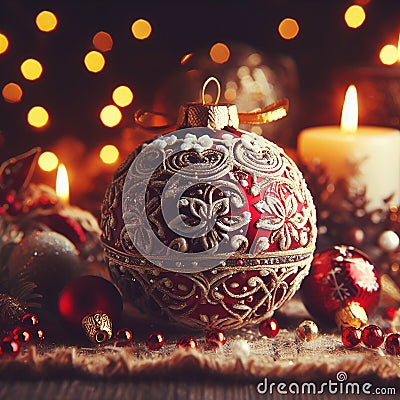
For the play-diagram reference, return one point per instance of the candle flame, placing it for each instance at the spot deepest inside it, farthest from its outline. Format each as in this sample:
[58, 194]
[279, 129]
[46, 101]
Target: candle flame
[349, 121]
[62, 184]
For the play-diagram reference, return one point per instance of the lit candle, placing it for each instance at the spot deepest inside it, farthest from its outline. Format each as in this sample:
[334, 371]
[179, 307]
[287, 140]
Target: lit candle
[366, 156]
[62, 184]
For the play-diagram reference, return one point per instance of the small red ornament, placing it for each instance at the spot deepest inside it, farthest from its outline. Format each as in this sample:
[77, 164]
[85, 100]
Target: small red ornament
[389, 313]
[392, 344]
[29, 320]
[123, 335]
[215, 339]
[21, 335]
[187, 342]
[372, 336]
[269, 328]
[9, 346]
[155, 340]
[351, 337]
[90, 302]
[37, 335]
[339, 276]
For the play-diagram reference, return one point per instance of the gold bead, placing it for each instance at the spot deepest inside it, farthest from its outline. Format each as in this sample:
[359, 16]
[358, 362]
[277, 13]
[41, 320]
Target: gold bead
[98, 327]
[307, 330]
[351, 315]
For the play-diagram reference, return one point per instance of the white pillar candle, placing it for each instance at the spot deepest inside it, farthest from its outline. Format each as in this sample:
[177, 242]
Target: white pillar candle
[366, 156]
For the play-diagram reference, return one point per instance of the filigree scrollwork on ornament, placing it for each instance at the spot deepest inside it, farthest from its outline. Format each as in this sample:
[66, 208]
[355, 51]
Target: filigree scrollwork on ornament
[225, 225]
[236, 294]
[108, 217]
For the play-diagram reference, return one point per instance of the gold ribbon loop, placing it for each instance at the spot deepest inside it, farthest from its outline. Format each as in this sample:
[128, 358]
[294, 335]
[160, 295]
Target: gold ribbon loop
[270, 113]
[205, 84]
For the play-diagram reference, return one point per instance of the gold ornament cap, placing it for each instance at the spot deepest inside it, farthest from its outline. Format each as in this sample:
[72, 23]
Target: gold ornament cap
[351, 315]
[214, 116]
[98, 327]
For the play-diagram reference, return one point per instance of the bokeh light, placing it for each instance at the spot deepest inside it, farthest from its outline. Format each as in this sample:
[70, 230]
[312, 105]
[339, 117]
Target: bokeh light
[389, 54]
[186, 58]
[141, 29]
[48, 161]
[3, 43]
[102, 41]
[109, 154]
[122, 96]
[110, 116]
[38, 117]
[94, 61]
[12, 93]
[288, 28]
[354, 16]
[220, 53]
[46, 21]
[31, 69]
[230, 94]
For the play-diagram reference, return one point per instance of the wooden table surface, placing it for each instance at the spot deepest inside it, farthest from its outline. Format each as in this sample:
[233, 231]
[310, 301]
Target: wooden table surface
[148, 390]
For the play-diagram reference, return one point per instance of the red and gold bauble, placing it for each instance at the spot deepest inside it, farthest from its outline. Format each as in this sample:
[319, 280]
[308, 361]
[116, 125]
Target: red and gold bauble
[343, 285]
[90, 302]
[212, 226]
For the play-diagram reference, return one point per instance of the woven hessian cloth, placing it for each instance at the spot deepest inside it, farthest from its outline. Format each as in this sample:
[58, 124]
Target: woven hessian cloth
[283, 358]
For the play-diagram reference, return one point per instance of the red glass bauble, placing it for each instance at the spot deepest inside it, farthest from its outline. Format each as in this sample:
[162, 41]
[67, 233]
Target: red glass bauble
[215, 339]
[87, 295]
[351, 337]
[338, 276]
[392, 344]
[187, 342]
[269, 328]
[372, 336]
[155, 341]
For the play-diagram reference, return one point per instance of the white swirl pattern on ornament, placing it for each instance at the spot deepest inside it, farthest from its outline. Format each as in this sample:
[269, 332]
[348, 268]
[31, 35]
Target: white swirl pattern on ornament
[184, 204]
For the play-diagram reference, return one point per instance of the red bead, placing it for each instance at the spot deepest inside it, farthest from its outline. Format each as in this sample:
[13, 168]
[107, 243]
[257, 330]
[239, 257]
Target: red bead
[155, 340]
[372, 336]
[187, 342]
[21, 335]
[30, 320]
[215, 339]
[351, 337]
[269, 328]
[9, 346]
[123, 335]
[37, 335]
[392, 344]
[389, 313]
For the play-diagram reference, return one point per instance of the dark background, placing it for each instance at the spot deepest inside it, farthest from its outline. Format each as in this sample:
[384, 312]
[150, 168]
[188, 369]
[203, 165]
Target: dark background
[74, 97]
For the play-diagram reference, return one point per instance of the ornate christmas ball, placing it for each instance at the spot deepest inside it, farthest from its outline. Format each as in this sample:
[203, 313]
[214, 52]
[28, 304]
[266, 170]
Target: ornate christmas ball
[48, 259]
[342, 282]
[211, 226]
